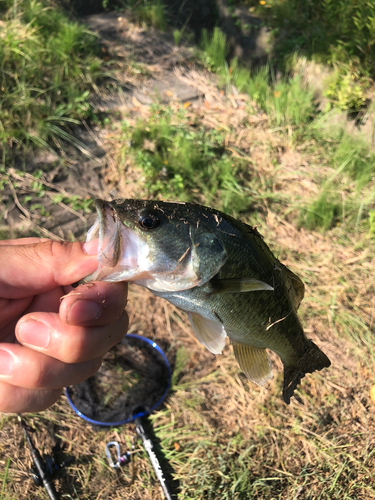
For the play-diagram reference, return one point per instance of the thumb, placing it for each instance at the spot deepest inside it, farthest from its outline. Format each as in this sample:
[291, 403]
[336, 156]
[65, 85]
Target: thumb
[38, 267]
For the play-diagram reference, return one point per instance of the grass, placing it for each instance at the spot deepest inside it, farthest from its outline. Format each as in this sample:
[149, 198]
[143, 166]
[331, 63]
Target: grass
[289, 104]
[184, 160]
[38, 200]
[340, 32]
[214, 50]
[149, 13]
[48, 65]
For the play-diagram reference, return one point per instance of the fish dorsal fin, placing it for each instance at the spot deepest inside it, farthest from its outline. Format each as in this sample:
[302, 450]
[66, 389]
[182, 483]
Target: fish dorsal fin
[254, 362]
[231, 285]
[297, 288]
[210, 333]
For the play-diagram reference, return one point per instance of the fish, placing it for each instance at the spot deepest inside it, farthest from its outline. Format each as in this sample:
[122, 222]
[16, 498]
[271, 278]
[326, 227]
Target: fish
[218, 270]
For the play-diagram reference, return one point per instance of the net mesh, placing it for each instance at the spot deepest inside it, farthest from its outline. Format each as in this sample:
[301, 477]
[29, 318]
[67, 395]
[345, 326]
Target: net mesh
[134, 376]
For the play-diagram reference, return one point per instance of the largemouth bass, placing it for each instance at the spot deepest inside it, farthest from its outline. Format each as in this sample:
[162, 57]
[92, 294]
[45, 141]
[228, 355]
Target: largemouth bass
[217, 269]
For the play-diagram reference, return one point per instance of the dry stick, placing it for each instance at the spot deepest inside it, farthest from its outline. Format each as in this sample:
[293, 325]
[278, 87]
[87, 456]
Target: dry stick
[17, 202]
[27, 213]
[96, 139]
[7, 210]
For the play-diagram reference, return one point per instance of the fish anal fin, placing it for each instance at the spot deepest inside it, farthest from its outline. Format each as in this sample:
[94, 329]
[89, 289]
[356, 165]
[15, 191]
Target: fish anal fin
[254, 362]
[210, 333]
[313, 359]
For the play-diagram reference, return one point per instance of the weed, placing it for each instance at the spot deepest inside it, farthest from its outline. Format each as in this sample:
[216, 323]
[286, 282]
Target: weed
[214, 49]
[333, 31]
[185, 161]
[5, 475]
[75, 202]
[355, 158]
[47, 66]
[285, 100]
[177, 35]
[149, 13]
[322, 212]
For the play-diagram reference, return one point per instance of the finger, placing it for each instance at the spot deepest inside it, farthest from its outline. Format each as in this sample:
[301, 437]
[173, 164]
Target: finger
[18, 400]
[10, 309]
[44, 332]
[98, 303]
[38, 267]
[43, 372]
[46, 301]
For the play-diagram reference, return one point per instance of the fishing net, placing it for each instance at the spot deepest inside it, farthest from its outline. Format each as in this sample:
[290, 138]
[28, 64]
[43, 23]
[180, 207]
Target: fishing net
[133, 380]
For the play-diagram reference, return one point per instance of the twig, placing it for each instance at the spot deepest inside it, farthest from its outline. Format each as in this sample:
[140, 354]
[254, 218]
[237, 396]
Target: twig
[278, 321]
[17, 202]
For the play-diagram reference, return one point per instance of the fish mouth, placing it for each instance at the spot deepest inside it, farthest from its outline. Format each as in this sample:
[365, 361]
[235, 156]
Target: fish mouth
[120, 249]
[124, 254]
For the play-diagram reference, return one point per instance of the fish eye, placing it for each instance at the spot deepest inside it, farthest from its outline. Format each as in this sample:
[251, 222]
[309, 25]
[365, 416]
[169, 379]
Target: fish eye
[149, 221]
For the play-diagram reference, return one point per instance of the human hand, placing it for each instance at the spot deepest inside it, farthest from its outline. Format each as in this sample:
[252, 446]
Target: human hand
[52, 335]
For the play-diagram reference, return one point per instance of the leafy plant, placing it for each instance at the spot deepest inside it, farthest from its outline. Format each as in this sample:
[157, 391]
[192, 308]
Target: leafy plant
[353, 156]
[75, 202]
[177, 35]
[150, 13]
[345, 92]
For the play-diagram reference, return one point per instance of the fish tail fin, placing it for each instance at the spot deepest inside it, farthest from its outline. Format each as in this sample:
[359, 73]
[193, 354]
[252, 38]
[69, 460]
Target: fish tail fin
[313, 359]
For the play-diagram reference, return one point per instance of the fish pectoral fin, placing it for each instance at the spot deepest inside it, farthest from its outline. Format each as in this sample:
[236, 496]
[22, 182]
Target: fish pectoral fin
[230, 285]
[254, 362]
[209, 333]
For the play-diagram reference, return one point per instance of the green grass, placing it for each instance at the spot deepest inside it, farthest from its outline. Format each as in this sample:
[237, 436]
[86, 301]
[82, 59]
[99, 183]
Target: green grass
[214, 50]
[185, 161]
[347, 193]
[148, 13]
[48, 65]
[290, 107]
[285, 99]
[323, 212]
[336, 32]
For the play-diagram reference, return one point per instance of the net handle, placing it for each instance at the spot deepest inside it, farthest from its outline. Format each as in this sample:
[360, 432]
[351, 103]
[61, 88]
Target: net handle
[144, 411]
